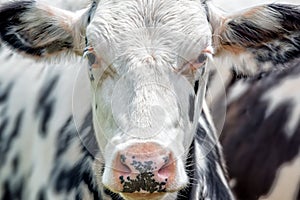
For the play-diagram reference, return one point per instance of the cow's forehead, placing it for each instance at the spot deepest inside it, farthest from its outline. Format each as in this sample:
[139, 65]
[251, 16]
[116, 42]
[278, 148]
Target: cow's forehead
[157, 27]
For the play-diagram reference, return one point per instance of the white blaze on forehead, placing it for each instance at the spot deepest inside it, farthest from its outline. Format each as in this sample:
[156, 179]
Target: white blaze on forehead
[149, 100]
[286, 91]
[144, 108]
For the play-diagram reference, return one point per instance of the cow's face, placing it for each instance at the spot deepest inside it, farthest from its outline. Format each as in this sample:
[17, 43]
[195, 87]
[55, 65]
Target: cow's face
[145, 59]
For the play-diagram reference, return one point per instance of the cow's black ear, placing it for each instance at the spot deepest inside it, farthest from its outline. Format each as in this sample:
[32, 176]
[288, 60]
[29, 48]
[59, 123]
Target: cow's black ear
[268, 28]
[259, 39]
[38, 30]
[11, 14]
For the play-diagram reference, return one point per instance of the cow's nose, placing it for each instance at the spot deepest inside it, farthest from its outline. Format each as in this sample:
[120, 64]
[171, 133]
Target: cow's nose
[145, 163]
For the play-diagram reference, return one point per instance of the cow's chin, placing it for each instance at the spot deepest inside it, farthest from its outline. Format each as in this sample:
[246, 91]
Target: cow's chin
[143, 196]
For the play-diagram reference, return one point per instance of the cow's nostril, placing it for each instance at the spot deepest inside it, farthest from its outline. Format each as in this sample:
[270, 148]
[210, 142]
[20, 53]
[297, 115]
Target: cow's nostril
[125, 169]
[123, 159]
[122, 166]
[166, 170]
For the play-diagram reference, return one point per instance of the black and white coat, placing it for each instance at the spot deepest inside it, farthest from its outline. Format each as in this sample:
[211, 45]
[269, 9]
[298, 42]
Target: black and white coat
[63, 167]
[45, 158]
[261, 135]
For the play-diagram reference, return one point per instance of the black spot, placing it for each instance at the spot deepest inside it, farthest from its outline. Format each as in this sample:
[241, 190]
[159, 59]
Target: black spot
[78, 196]
[204, 3]
[122, 179]
[89, 139]
[48, 109]
[42, 194]
[102, 170]
[235, 76]
[3, 125]
[86, 41]
[65, 136]
[45, 104]
[91, 11]
[13, 191]
[4, 92]
[15, 164]
[191, 107]
[196, 86]
[46, 91]
[6, 144]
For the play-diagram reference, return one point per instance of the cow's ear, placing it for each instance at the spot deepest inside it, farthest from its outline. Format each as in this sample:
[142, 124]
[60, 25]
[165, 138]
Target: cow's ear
[259, 39]
[39, 30]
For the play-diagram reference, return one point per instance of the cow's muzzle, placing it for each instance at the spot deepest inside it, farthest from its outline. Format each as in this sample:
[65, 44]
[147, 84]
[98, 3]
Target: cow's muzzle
[144, 168]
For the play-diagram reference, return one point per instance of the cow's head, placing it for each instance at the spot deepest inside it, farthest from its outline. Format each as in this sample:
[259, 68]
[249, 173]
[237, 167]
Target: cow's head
[147, 63]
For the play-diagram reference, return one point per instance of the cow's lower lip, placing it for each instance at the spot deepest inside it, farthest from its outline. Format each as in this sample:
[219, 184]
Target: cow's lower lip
[143, 196]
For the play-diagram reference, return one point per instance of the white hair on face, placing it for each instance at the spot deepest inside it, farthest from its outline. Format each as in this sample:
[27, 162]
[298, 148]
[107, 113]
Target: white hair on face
[122, 27]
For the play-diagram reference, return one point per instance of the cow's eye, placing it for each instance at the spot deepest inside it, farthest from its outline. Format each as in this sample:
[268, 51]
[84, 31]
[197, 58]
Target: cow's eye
[91, 58]
[199, 62]
[192, 66]
[201, 58]
[90, 55]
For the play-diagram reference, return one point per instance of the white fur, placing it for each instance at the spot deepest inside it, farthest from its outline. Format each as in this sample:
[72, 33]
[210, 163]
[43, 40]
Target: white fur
[283, 93]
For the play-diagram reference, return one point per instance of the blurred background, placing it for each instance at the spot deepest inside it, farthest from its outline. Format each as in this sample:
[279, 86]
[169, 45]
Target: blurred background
[235, 5]
[259, 125]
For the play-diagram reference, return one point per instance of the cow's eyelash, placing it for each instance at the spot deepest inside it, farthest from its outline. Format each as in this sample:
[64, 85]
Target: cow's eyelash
[89, 54]
[195, 64]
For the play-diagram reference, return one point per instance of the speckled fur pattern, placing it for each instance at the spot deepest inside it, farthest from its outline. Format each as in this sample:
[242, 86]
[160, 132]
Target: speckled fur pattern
[148, 41]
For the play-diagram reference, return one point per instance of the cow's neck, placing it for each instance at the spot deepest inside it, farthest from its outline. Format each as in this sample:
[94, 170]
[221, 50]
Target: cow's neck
[206, 173]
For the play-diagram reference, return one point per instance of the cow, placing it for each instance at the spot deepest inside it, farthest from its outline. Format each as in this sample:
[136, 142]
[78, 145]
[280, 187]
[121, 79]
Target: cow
[261, 135]
[144, 129]
[261, 157]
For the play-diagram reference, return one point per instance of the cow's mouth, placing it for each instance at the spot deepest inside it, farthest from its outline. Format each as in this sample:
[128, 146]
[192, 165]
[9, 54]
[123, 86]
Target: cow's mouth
[143, 183]
[143, 196]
